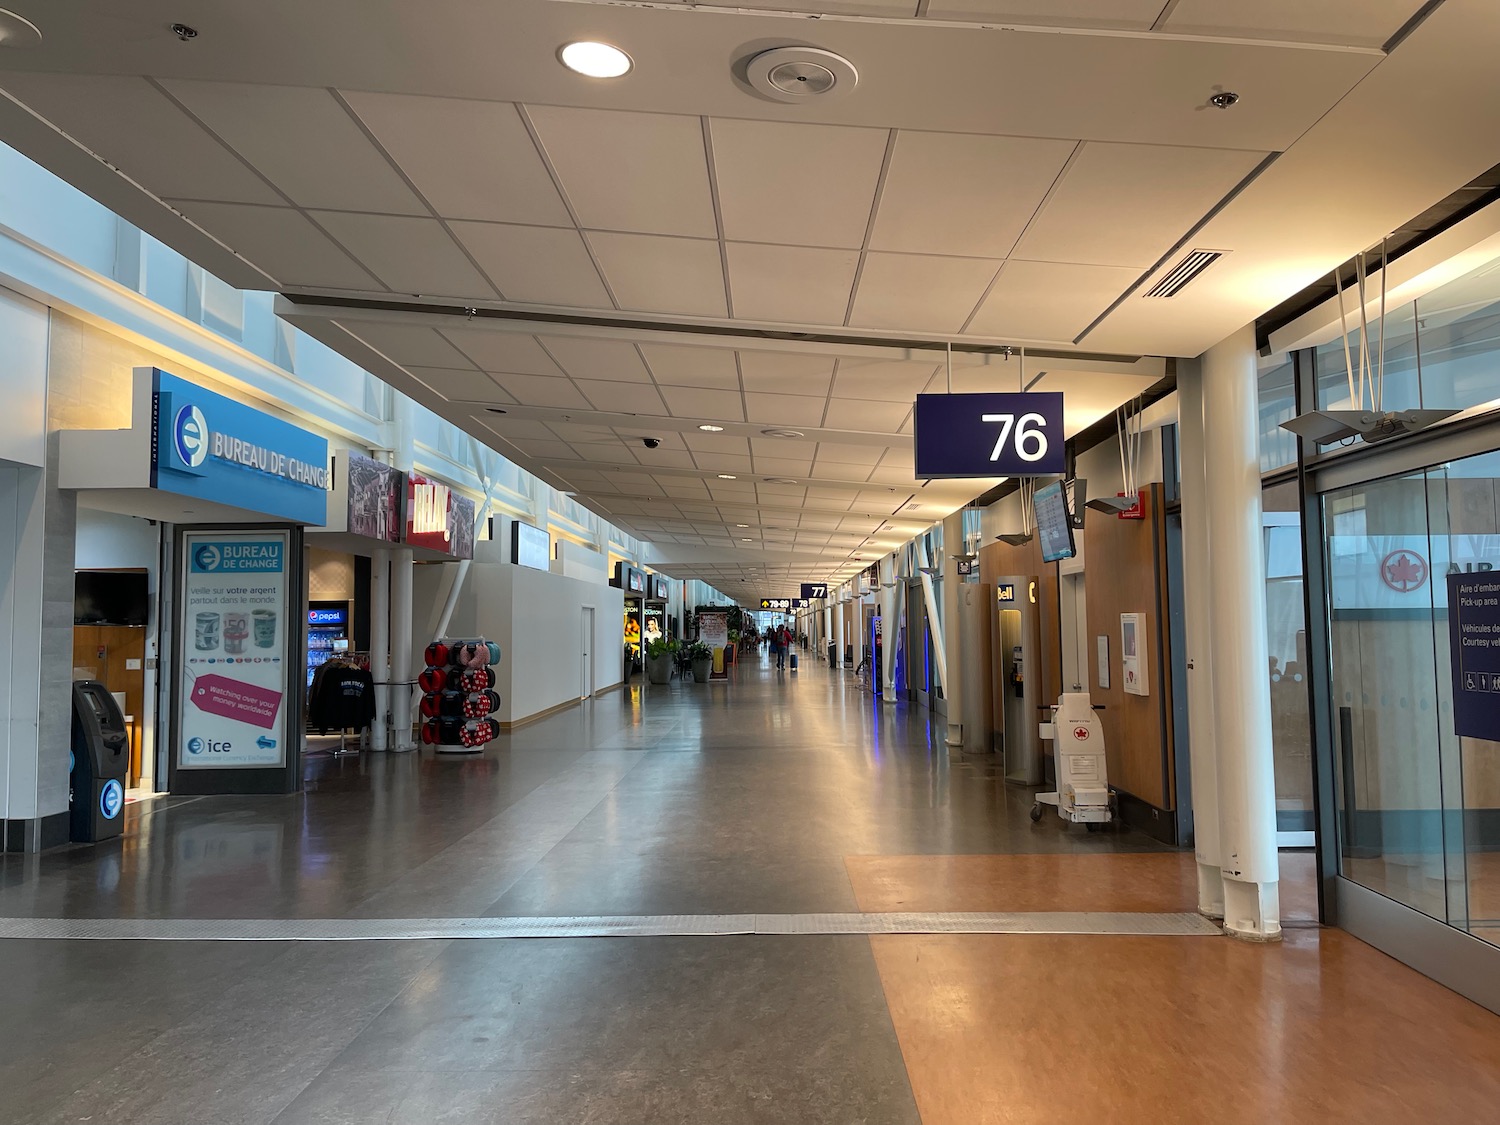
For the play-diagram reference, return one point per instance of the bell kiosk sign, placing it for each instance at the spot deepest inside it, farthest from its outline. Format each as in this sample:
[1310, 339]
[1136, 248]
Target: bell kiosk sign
[234, 645]
[989, 435]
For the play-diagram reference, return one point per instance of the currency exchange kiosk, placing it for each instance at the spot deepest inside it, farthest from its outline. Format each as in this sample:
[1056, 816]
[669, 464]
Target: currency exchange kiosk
[101, 755]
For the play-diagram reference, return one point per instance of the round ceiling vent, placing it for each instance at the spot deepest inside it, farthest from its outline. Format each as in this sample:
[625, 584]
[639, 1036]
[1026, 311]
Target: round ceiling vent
[800, 74]
[17, 31]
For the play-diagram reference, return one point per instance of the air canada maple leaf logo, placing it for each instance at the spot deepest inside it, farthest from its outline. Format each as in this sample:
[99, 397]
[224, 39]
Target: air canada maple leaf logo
[1403, 571]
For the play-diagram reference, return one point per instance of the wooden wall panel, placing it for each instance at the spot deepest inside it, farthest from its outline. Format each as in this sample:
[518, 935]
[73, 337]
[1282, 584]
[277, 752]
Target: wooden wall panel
[999, 559]
[101, 652]
[1125, 572]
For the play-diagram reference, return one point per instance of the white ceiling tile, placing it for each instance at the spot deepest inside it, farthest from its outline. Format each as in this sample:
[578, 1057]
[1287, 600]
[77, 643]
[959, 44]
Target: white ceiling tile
[497, 351]
[789, 448]
[608, 454]
[678, 366]
[1125, 205]
[839, 453]
[471, 160]
[1137, 15]
[407, 343]
[952, 193]
[786, 373]
[543, 450]
[1355, 23]
[535, 265]
[784, 410]
[466, 386]
[802, 185]
[539, 390]
[414, 256]
[716, 443]
[303, 141]
[134, 126]
[665, 458]
[919, 292]
[690, 402]
[889, 381]
[622, 398]
[1049, 301]
[783, 466]
[631, 435]
[790, 284]
[577, 432]
[670, 275]
[282, 242]
[645, 172]
[723, 463]
[583, 358]
[861, 414]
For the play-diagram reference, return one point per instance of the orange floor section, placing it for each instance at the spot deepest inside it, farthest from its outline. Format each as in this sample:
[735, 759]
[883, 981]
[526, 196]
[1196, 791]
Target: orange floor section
[1059, 1030]
[1148, 882]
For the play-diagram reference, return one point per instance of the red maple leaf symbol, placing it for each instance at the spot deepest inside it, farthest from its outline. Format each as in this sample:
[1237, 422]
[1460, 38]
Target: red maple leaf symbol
[1404, 571]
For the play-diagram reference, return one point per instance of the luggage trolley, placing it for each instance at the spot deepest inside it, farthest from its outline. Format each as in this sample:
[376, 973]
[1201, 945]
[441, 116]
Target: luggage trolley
[1082, 795]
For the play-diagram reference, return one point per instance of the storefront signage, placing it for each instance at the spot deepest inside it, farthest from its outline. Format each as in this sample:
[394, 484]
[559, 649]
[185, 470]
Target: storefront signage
[811, 590]
[235, 650]
[438, 518]
[989, 435]
[1474, 640]
[1005, 592]
[375, 498]
[655, 623]
[1402, 572]
[212, 448]
[658, 588]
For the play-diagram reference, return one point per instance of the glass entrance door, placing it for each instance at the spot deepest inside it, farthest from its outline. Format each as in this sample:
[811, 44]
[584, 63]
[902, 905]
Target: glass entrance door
[1419, 807]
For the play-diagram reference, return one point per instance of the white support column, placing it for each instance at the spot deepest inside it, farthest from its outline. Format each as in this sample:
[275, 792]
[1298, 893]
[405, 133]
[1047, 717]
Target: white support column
[857, 621]
[1197, 605]
[953, 696]
[403, 657]
[889, 628]
[1241, 688]
[838, 629]
[827, 630]
[380, 647]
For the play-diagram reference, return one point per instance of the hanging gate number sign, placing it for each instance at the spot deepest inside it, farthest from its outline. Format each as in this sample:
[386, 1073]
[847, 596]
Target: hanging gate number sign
[989, 435]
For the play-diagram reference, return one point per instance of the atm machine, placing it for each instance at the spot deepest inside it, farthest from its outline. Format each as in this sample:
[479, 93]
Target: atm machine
[100, 756]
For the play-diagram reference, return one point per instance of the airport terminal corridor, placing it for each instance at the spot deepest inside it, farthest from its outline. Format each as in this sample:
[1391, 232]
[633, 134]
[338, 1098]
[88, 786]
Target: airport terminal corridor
[699, 811]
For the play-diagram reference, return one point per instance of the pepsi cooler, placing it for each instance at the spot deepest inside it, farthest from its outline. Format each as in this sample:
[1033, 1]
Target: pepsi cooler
[101, 755]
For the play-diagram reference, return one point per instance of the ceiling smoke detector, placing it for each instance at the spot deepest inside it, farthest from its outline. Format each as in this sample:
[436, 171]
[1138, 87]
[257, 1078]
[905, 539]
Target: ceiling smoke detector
[800, 74]
[17, 31]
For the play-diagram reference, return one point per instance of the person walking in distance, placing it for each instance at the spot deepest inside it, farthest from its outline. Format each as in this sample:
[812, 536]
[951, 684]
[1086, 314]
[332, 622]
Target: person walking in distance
[783, 639]
[773, 640]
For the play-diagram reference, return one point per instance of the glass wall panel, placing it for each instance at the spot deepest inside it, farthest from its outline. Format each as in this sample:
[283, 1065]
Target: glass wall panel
[1402, 381]
[1419, 806]
[1286, 634]
[1278, 404]
[1460, 340]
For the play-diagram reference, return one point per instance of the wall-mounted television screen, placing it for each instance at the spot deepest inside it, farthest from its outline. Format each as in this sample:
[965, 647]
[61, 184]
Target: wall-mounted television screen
[1054, 523]
[110, 597]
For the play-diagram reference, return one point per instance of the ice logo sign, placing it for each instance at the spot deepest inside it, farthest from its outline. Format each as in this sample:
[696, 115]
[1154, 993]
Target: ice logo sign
[111, 798]
[206, 557]
[190, 435]
[195, 746]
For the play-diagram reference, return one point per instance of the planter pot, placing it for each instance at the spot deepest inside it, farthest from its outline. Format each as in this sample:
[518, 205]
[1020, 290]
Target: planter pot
[658, 669]
[702, 669]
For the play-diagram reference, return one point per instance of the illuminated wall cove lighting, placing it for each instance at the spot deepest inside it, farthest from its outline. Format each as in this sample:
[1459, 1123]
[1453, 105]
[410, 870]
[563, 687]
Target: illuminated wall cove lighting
[595, 60]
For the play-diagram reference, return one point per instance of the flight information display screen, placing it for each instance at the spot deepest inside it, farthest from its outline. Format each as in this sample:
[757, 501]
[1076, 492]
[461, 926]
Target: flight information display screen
[1054, 523]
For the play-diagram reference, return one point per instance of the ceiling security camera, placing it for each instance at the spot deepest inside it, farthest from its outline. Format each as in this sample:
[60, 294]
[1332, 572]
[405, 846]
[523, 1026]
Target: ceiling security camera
[650, 442]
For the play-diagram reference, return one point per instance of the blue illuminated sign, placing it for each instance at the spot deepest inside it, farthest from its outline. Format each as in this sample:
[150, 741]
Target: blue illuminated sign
[209, 447]
[327, 616]
[1474, 639]
[111, 798]
[238, 555]
[989, 435]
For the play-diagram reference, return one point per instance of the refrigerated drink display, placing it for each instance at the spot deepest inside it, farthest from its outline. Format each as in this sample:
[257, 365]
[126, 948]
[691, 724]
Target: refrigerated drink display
[327, 632]
[460, 702]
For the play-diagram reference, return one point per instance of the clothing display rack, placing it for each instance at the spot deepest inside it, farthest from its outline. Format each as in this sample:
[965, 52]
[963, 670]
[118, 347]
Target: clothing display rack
[340, 698]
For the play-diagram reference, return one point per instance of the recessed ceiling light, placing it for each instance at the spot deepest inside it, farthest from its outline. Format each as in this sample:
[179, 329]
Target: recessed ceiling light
[784, 433]
[708, 429]
[594, 60]
[747, 539]
[728, 476]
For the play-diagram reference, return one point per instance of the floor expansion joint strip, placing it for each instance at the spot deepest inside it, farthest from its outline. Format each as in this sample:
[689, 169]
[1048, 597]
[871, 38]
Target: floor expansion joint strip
[666, 925]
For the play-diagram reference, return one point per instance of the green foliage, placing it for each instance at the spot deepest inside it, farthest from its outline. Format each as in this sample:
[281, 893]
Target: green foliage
[660, 646]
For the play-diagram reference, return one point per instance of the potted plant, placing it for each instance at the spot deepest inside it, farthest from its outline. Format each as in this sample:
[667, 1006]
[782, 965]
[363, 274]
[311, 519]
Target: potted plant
[703, 661]
[659, 659]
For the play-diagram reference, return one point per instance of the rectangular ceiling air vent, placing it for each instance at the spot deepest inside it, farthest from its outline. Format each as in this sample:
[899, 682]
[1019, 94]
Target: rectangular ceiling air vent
[1179, 276]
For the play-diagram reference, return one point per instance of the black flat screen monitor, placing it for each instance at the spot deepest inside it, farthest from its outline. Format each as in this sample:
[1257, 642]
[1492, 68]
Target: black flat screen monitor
[1054, 523]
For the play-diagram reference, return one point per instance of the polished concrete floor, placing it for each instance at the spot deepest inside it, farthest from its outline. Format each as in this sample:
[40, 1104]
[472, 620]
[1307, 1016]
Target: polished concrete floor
[775, 794]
